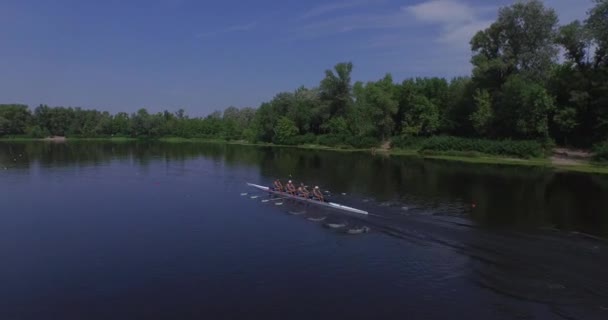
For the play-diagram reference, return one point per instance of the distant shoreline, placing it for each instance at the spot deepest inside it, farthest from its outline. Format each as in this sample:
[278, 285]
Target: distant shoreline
[575, 165]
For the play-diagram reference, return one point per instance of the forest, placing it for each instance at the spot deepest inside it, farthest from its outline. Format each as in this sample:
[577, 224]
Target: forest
[534, 84]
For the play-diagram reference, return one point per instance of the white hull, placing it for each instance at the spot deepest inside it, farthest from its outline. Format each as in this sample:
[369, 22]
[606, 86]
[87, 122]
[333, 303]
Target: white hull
[326, 204]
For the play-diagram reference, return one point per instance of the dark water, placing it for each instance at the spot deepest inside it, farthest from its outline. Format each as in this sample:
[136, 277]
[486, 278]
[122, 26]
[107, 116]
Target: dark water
[162, 231]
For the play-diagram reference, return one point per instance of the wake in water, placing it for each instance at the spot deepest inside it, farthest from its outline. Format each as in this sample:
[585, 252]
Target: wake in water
[563, 271]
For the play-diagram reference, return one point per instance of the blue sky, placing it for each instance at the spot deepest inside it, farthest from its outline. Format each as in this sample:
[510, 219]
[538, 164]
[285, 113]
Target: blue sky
[208, 55]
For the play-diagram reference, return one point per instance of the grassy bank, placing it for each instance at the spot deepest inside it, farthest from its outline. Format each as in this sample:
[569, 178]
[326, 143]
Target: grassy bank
[413, 150]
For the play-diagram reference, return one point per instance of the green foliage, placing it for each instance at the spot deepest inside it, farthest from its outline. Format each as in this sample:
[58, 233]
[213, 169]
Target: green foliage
[482, 117]
[285, 131]
[601, 152]
[523, 110]
[378, 102]
[338, 126]
[362, 142]
[447, 144]
[422, 118]
[332, 140]
[14, 119]
[565, 119]
[521, 149]
[521, 41]
[336, 89]
[407, 142]
[37, 132]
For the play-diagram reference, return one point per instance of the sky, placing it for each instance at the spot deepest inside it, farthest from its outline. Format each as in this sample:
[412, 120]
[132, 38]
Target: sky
[207, 55]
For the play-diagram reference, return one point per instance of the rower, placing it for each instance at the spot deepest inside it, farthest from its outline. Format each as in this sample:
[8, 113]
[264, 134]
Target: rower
[304, 193]
[278, 186]
[316, 192]
[290, 188]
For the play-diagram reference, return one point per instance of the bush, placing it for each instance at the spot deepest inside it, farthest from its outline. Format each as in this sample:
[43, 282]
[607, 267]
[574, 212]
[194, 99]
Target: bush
[285, 131]
[308, 138]
[521, 149]
[601, 152]
[407, 142]
[331, 140]
[37, 132]
[362, 142]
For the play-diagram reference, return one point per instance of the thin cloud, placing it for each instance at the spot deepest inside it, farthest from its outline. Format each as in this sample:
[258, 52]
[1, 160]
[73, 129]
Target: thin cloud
[336, 6]
[230, 29]
[354, 22]
[458, 21]
[442, 11]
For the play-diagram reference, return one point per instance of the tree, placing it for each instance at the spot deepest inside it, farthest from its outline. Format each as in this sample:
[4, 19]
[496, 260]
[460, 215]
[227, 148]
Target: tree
[336, 89]
[4, 126]
[264, 122]
[460, 106]
[303, 108]
[482, 117]
[524, 109]
[121, 124]
[519, 42]
[576, 41]
[141, 123]
[285, 131]
[338, 126]
[14, 118]
[565, 119]
[422, 118]
[580, 85]
[377, 100]
[597, 24]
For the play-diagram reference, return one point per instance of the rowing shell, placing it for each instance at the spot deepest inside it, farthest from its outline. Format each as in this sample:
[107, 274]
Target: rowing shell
[321, 203]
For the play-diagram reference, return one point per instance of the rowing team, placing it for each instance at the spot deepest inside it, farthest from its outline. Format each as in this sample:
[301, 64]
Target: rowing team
[301, 191]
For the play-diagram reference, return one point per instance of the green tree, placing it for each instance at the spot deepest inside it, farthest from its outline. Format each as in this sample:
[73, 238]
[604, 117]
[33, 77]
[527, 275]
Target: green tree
[336, 89]
[14, 118]
[305, 105]
[264, 123]
[378, 101]
[521, 41]
[338, 126]
[524, 109]
[422, 118]
[482, 117]
[285, 131]
[456, 118]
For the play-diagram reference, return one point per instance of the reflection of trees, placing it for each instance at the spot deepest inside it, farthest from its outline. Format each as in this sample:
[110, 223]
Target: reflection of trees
[505, 195]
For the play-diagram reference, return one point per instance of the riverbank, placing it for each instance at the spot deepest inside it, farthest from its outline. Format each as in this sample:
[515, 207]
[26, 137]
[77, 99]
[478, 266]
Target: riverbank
[576, 165]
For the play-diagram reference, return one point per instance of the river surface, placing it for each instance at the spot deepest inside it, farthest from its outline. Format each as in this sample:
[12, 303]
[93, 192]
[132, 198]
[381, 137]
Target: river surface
[171, 231]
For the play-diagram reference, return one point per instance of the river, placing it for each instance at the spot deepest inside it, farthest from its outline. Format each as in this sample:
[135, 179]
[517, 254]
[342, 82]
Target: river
[144, 230]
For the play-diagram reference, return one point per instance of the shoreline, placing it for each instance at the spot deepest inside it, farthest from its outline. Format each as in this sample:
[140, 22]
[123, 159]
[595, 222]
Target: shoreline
[547, 162]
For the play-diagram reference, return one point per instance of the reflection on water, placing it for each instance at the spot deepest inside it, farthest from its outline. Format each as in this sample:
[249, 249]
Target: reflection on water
[493, 196]
[94, 230]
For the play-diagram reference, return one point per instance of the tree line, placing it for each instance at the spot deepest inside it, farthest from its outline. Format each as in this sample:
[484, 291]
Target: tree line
[519, 89]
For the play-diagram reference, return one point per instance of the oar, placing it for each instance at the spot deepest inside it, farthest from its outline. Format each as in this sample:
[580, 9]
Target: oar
[275, 199]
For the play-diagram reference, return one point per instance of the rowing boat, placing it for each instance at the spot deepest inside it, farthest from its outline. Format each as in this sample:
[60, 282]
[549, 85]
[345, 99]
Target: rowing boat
[317, 202]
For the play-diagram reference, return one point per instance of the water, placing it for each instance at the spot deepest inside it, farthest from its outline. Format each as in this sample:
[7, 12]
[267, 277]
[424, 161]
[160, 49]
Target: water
[161, 231]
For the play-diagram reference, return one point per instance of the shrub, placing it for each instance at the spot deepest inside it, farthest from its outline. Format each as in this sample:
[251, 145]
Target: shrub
[37, 132]
[601, 152]
[362, 142]
[521, 149]
[331, 140]
[407, 142]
